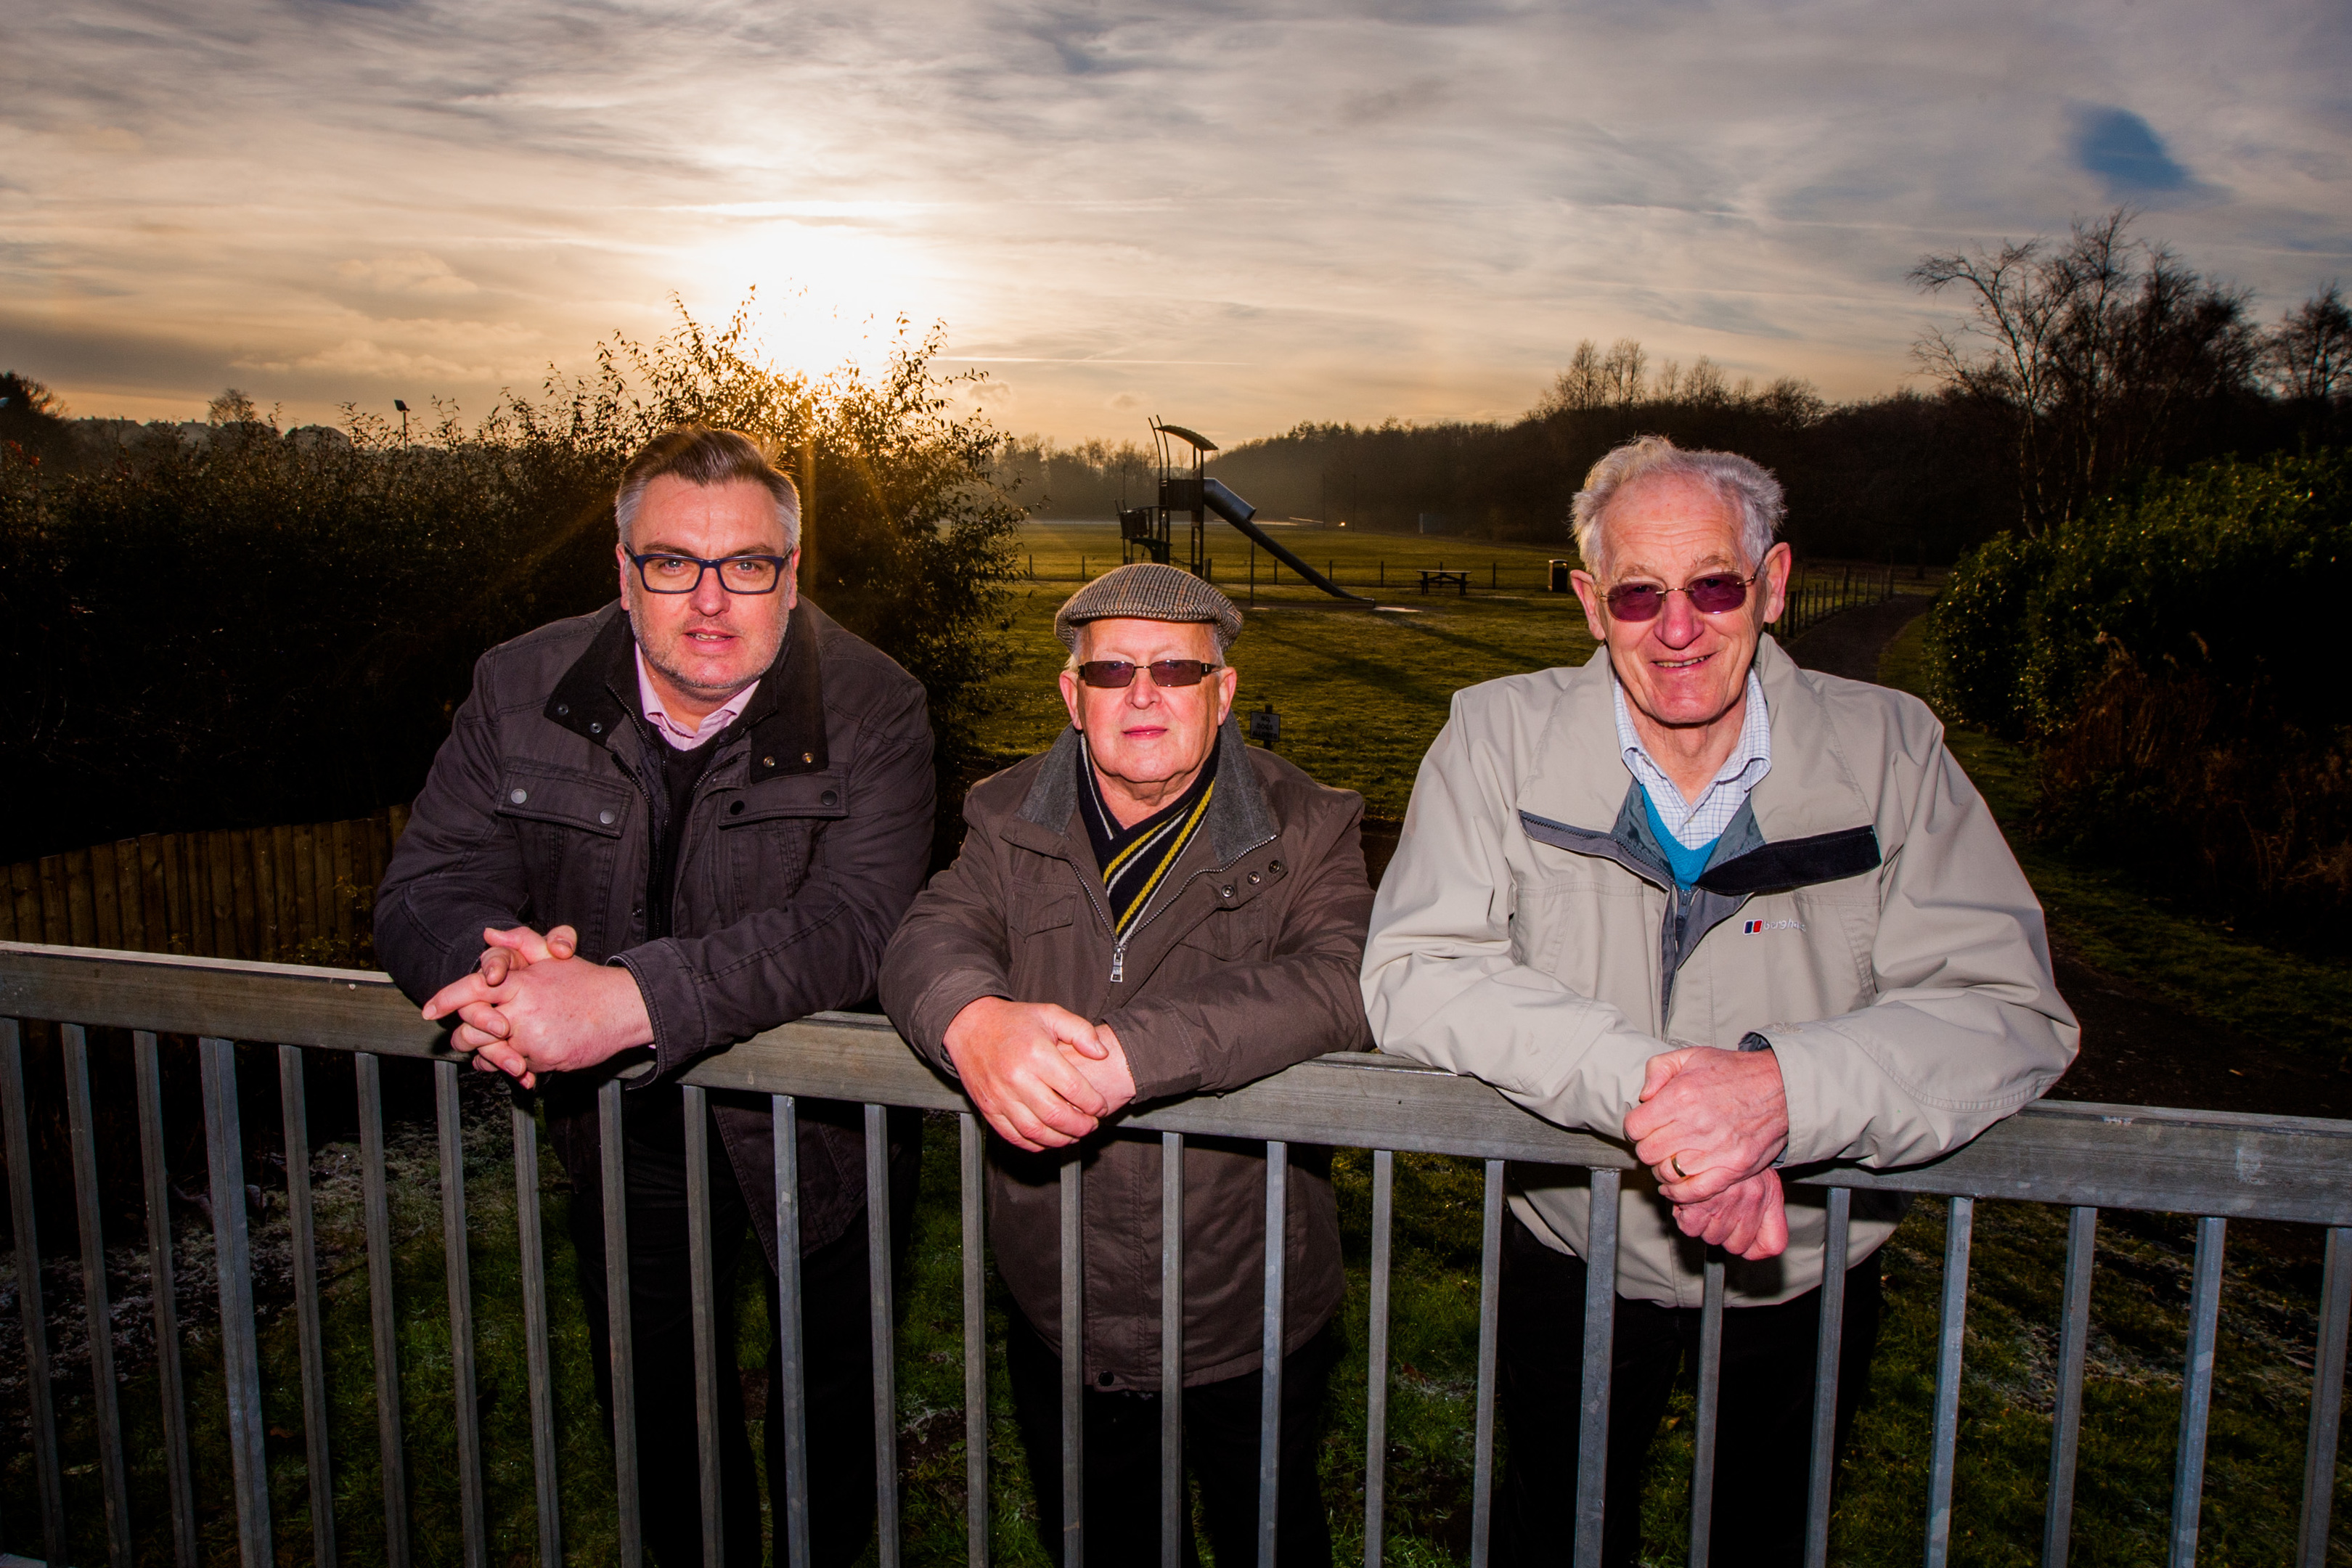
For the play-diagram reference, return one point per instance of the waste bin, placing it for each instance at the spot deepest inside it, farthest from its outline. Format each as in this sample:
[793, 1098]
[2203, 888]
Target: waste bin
[1560, 576]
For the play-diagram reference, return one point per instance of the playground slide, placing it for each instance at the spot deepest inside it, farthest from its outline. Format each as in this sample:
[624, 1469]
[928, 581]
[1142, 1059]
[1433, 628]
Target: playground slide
[1238, 512]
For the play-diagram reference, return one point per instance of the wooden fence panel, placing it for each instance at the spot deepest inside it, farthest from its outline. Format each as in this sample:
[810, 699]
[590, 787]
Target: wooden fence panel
[260, 893]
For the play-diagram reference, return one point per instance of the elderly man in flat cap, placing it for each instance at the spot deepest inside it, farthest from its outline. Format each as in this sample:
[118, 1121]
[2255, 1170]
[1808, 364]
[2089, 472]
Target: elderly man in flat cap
[1148, 909]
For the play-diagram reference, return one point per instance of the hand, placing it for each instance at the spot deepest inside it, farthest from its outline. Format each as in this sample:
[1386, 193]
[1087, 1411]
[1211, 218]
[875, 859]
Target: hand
[551, 1015]
[480, 1029]
[1708, 1119]
[1747, 1219]
[1020, 1063]
[515, 948]
[1105, 1067]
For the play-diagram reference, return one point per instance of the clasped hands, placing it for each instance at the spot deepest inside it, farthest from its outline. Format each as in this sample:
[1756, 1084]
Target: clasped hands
[1709, 1124]
[531, 1006]
[1043, 1076]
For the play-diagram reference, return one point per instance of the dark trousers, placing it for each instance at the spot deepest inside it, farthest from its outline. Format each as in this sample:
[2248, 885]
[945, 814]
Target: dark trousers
[1220, 1450]
[837, 1338]
[1763, 1430]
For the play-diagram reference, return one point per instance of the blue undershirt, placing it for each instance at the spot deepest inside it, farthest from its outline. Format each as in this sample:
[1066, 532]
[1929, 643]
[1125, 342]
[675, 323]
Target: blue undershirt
[1686, 863]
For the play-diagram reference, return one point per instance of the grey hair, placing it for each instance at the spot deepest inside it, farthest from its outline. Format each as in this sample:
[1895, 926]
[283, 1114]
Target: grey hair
[702, 456]
[1744, 485]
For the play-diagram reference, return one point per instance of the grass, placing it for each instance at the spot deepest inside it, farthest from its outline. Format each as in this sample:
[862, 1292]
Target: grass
[1361, 697]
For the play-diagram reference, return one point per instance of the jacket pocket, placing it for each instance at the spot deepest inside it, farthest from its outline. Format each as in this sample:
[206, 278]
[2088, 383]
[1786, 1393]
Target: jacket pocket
[769, 833]
[570, 831]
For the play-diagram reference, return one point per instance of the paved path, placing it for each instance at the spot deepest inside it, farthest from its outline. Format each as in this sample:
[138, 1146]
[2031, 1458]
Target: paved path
[1850, 644]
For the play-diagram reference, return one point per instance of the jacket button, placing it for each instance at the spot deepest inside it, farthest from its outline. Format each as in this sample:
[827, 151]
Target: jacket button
[595, 728]
[736, 809]
[830, 797]
[1275, 867]
[563, 710]
[1254, 879]
[636, 911]
[808, 756]
[606, 818]
[1226, 891]
[519, 796]
[766, 761]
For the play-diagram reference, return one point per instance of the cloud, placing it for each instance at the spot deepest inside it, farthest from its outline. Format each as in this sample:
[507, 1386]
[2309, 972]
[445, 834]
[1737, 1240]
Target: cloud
[2123, 150]
[413, 273]
[1314, 210]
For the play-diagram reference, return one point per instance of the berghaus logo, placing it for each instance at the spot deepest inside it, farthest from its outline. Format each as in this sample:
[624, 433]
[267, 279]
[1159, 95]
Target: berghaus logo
[1753, 927]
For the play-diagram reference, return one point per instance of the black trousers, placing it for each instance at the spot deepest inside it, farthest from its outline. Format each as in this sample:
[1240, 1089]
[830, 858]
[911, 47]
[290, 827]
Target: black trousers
[1220, 1450]
[837, 1337]
[1763, 1430]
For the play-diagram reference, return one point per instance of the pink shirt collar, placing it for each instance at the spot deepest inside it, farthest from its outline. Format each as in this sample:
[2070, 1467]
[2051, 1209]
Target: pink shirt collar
[680, 736]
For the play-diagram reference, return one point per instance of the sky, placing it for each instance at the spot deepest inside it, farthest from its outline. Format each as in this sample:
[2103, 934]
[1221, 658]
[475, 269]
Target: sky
[1234, 216]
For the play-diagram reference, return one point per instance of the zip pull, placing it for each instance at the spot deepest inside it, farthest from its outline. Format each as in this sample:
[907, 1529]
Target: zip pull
[1117, 963]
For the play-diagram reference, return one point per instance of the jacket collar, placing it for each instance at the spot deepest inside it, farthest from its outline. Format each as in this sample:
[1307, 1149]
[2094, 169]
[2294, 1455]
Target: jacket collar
[1239, 819]
[1581, 777]
[596, 698]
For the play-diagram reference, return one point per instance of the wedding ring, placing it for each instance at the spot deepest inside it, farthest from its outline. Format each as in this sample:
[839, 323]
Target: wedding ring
[1676, 1162]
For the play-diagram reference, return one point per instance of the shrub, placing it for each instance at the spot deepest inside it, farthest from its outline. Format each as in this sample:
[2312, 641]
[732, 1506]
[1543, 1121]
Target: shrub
[2175, 659]
[240, 628]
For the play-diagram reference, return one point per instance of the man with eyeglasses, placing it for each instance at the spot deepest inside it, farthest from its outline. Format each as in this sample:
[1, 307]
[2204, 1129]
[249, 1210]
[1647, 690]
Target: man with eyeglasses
[1751, 919]
[654, 831]
[1149, 909]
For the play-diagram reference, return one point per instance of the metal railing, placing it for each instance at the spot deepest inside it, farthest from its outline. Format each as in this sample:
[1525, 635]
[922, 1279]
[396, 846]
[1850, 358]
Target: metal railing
[2215, 1165]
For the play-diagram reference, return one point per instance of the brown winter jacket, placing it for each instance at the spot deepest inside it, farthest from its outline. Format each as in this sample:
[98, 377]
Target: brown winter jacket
[1245, 964]
[802, 844]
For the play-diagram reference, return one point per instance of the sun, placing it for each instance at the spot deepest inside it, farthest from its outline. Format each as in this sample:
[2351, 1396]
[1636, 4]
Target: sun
[833, 280]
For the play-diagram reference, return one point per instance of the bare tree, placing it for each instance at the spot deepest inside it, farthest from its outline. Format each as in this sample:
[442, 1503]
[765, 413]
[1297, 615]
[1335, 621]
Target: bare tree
[2309, 357]
[2101, 355]
[1578, 389]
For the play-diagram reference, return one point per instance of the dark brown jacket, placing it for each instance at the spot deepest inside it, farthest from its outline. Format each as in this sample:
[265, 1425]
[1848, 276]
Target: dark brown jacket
[1247, 963]
[802, 844]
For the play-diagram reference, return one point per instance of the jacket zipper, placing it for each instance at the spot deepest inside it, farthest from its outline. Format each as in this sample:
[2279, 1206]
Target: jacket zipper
[1118, 942]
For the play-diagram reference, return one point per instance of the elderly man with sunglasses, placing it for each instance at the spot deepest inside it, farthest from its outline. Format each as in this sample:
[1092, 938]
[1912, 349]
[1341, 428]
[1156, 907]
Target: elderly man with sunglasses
[1149, 909]
[1748, 919]
[653, 832]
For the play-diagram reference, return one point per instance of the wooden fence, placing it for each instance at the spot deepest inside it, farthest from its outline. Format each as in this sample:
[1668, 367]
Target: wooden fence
[287, 895]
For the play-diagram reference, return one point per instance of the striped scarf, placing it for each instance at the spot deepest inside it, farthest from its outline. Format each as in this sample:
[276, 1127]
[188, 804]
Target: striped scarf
[1136, 861]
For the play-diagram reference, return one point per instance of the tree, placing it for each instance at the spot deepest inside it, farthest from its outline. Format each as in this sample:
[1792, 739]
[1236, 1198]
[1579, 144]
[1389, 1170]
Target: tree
[2309, 356]
[31, 419]
[2099, 357]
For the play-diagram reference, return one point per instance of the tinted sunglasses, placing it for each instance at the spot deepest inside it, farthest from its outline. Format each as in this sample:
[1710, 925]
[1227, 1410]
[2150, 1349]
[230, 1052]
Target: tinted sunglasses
[1709, 595]
[1118, 674]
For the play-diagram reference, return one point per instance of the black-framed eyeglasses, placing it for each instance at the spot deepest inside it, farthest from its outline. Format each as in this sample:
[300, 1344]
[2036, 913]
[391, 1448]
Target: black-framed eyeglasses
[1118, 674]
[1709, 595]
[665, 574]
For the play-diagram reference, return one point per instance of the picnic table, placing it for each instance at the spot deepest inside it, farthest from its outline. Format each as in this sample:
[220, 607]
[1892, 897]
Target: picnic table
[1461, 581]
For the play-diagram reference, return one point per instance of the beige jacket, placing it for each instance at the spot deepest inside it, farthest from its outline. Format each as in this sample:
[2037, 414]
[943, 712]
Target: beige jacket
[1863, 914]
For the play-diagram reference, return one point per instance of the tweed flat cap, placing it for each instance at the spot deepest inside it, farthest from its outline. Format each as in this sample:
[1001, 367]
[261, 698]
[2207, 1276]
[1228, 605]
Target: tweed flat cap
[1146, 591]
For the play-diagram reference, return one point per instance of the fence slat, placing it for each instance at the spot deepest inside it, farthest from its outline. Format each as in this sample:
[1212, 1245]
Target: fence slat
[105, 899]
[56, 925]
[2196, 1390]
[163, 1286]
[29, 1290]
[2327, 1401]
[1269, 1409]
[620, 1319]
[1490, 1295]
[1376, 1358]
[458, 1273]
[705, 1319]
[240, 1351]
[785, 1114]
[1600, 1340]
[974, 1173]
[1073, 1354]
[2074, 1353]
[532, 1244]
[1828, 1353]
[1174, 1526]
[293, 1104]
[129, 902]
[97, 1307]
[81, 918]
[1703, 1415]
[1950, 1336]
[304, 866]
[383, 1322]
[884, 1322]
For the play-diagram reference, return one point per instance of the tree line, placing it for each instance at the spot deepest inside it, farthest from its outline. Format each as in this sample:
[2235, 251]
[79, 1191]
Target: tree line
[2068, 365]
